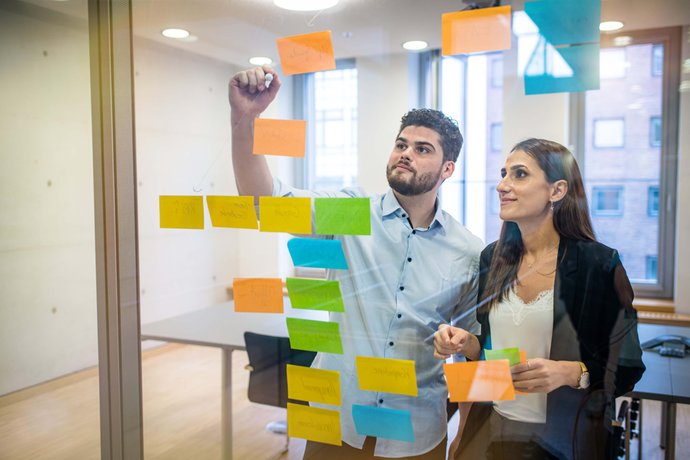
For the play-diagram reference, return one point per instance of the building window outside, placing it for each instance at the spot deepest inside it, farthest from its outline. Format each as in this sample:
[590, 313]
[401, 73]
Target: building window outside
[331, 113]
[493, 199]
[612, 63]
[657, 60]
[653, 201]
[607, 201]
[497, 73]
[655, 131]
[496, 137]
[651, 268]
[609, 133]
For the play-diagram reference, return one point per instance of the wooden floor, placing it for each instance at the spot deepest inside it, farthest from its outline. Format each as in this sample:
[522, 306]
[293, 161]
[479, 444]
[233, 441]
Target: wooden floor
[181, 387]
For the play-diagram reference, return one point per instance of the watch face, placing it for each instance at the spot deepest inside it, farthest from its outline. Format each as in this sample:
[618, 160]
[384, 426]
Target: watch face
[584, 380]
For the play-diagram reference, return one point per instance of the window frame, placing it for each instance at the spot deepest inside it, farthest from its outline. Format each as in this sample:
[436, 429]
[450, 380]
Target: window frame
[670, 38]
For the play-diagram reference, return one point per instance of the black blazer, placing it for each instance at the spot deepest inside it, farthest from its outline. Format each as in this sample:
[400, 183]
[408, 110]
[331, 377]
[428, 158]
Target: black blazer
[594, 322]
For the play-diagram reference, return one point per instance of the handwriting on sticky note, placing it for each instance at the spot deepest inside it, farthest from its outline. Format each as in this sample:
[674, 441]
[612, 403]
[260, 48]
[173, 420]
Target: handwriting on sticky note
[314, 294]
[311, 335]
[306, 53]
[511, 354]
[280, 137]
[285, 214]
[342, 216]
[232, 211]
[479, 381]
[181, 211]
[472, 31]
[317, 253]
[381, 422]
[314, 424]
[315, 385]
[387, 375]
[258, 295]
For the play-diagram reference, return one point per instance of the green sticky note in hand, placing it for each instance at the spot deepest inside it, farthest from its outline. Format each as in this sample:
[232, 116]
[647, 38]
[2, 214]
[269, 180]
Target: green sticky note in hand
[511, 354]
[311, 294]
[311, 335]
[342, 216]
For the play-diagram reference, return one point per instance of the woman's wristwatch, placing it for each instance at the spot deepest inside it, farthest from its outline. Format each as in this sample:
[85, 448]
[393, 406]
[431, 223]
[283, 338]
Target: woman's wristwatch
[583, 381]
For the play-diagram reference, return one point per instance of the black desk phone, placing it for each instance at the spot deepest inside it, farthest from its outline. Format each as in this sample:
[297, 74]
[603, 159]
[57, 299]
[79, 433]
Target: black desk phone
[669, 345]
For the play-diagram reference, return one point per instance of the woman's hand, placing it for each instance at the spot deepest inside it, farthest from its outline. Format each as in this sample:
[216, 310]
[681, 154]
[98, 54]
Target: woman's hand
[541, 375]
[449, 340]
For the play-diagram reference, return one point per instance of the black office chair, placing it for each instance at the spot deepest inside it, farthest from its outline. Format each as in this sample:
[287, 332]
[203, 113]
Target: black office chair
[268, 357]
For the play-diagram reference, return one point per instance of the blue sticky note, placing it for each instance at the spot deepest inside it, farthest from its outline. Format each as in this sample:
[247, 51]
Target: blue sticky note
[383, 423]
[317, 253]
[565, 22]
[562, 70]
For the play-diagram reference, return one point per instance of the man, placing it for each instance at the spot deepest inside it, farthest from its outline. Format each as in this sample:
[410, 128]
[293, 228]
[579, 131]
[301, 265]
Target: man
[416, 271]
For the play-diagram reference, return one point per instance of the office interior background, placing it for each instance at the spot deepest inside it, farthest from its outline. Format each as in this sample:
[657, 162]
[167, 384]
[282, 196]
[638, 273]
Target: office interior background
[631, 138]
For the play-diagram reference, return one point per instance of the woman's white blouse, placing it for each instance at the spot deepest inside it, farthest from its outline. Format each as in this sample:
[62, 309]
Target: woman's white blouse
[528, 326]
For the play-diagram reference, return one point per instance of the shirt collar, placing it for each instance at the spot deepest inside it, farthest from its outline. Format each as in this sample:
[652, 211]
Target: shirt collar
[390, 205]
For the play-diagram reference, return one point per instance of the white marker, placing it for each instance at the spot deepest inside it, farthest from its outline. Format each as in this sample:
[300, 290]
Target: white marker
[269, 78]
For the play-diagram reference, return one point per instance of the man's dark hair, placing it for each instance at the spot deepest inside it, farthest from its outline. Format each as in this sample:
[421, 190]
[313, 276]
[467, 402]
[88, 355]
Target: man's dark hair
[446, 127]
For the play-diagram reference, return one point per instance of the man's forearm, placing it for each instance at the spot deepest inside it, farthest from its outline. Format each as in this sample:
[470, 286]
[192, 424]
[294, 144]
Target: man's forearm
[252, 175]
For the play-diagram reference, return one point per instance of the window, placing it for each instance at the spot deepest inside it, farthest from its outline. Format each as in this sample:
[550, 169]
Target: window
[655, 131]
[607, 201]
[330, 109]
[630, 184]
[609, 133]
[612, 63]
[653, 201]
[657, 60]
[651, 268]
[497, 73]
[496, 137]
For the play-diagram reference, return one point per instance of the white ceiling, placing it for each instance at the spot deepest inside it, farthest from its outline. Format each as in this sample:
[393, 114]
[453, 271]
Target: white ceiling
[235, 30]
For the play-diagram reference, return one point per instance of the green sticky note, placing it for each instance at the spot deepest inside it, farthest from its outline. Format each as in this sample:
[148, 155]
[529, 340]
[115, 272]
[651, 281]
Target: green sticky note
[511, 354]
[307, 334]
[310, 294]
[342, 216]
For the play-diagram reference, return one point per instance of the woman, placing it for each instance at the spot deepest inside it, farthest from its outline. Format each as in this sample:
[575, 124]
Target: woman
[547, 287]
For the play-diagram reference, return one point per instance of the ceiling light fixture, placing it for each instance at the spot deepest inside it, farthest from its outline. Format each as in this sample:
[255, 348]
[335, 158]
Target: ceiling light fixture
[610, 26]
[415, 45]
[260, 60]
[305, 5]
[175, 33]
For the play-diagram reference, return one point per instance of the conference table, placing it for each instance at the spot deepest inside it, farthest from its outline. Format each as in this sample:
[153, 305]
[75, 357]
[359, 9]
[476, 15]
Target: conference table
[666, 379]
[221, 327]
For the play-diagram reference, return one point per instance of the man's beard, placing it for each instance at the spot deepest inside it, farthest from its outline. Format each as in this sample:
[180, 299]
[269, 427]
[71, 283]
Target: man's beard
[416, 185]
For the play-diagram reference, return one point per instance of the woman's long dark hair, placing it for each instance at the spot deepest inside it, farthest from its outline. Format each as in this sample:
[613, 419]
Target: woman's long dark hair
[570, 217]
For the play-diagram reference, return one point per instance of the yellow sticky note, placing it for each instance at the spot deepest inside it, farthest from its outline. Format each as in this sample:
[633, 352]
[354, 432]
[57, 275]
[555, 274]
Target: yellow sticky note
[280, 137]
[472, 31]
[479, 381]
[181, 211]
[387, 375]
[306, 53]
[258, 295]
[232, 211]
[285, 214]
[314, 424]
[315, 385]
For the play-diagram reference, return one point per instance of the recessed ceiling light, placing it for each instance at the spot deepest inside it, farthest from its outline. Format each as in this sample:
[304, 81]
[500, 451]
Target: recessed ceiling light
[415, 45]
[610, 26]
[623, 40]
[260, 60]
[305, 5]
[175, 33]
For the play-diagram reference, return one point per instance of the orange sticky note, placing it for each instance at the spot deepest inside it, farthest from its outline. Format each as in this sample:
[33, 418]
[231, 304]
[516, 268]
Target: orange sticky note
[232, 211]
[285, 214]
[473, 31]
[306, 53]
[386, 375]
[479, 381]
[280, 137]
[258, 295]
[314, 424]
[181, 211]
